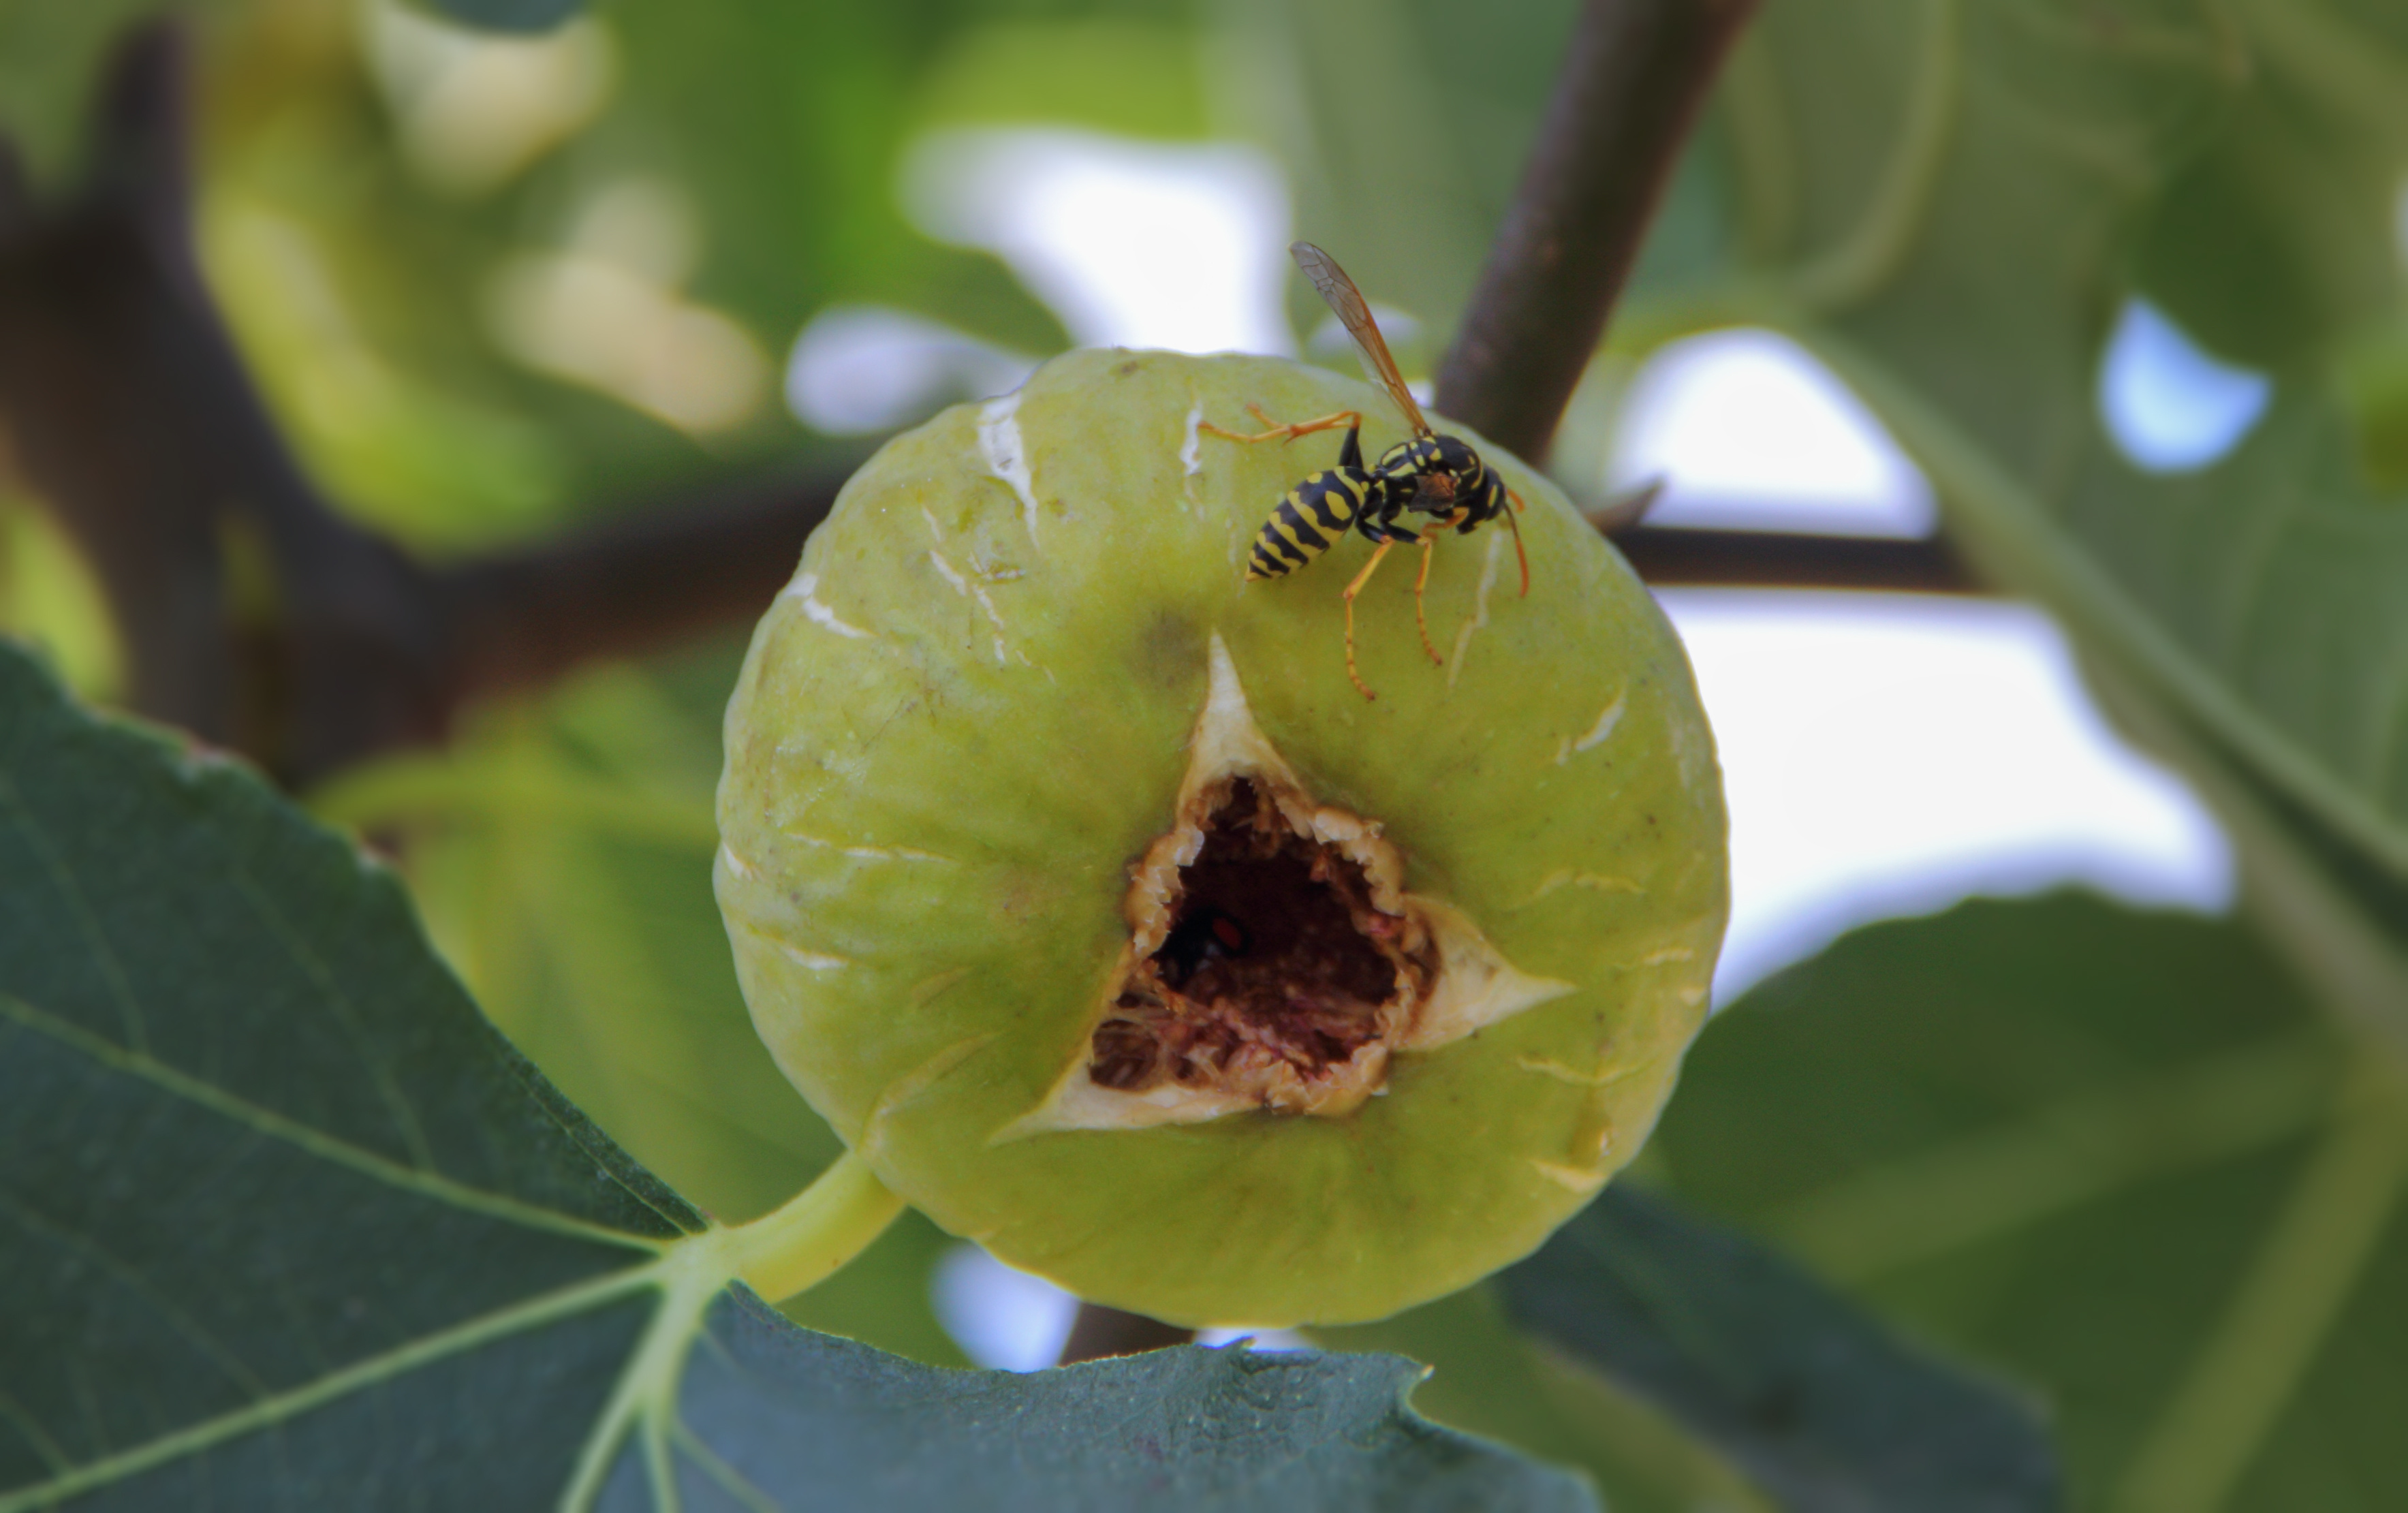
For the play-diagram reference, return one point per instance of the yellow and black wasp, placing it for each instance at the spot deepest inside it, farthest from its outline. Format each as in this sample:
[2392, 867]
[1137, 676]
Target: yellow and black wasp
[1439, 478]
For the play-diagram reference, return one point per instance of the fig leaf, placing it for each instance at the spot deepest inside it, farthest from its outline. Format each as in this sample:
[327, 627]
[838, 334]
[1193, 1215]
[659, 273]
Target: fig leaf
[284, 1222]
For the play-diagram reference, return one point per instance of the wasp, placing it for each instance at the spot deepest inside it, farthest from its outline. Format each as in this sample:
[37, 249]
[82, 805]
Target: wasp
[1413, 493]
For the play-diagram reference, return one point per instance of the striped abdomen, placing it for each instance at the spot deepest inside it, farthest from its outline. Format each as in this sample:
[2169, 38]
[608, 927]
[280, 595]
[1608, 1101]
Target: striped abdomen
[1308, 522]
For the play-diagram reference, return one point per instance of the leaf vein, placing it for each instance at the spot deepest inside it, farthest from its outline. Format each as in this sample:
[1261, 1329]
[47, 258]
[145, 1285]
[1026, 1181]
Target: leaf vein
[432, 1185]
[338, 1004]
[112, 971]
[194, 1331]
[279, 1407]
[731, 1481]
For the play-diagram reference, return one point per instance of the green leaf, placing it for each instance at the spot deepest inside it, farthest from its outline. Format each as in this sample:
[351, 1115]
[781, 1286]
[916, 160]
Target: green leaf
[2277, 240]
[1490, 1378]
[1407, 198]
[561, 857]
[1827, 1410]
[564, 869]
[284, 1222]
[1105, 73]
[2119, 1156]
[510, 15]
[1182, 1428]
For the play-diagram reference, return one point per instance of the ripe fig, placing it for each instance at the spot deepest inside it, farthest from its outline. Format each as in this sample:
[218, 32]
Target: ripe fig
[1073, 881]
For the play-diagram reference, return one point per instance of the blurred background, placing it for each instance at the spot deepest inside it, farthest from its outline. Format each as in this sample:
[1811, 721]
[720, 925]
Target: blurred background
[498, 286]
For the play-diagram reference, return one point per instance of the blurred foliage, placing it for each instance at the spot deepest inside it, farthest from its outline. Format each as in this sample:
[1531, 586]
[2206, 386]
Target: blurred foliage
[2119, 1156]
[1955, 228]
[47, 596]
[1486, 1377]
[2124, 1159]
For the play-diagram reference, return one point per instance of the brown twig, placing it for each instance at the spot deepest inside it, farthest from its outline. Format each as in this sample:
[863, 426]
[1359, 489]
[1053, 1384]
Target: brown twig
[1633, 78]
[85, 379]
[520, 619]
[1672, 556]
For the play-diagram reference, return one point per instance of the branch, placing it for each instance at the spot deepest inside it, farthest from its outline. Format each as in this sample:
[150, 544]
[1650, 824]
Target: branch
[1671, 555]
[518, 620]
[1634, 75]
[93, 418]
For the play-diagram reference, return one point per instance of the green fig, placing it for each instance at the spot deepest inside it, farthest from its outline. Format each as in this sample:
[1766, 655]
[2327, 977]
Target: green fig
[1073, 882]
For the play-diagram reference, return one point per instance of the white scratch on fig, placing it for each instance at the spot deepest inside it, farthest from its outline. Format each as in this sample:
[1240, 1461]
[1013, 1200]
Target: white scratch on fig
[814, 961]
[1595, 882]
[935, 530]
[1669, 955]
[1191, 452]
[1606, 1075]
[735, 863]
[1000, 442]
[945, 570]
[1606, 720]
[1479, 620]
[805, 588]
[1574, 1178]
[862, 853]
[988, 605]
[889, 853]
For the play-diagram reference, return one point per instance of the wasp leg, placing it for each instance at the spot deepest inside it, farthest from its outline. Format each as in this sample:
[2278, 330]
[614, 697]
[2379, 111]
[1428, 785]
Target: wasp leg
[1352, 589]
[1344, 419]
[1429, 540]
[1514, 518]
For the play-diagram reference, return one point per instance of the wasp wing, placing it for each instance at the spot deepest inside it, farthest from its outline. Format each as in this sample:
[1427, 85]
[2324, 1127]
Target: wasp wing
[1346, 301]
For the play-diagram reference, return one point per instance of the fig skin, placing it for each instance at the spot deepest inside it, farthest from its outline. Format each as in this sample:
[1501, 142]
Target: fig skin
[971, 713]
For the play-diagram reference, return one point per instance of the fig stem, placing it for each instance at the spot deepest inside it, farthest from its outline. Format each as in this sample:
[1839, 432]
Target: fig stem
[810, 1237]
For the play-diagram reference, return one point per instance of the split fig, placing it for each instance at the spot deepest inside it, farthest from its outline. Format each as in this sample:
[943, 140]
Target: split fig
[1073, 881]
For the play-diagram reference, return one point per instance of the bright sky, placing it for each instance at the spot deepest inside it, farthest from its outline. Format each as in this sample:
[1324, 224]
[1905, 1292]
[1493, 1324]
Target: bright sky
[1883, 754]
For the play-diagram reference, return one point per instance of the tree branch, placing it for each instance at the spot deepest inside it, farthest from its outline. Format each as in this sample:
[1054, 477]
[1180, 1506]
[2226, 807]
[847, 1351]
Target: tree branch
[1671, 555]
[518, 620]
[95, 422]
[1633, 78]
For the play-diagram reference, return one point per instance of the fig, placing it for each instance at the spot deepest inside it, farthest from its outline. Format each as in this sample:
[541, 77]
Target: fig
[1073, 881]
